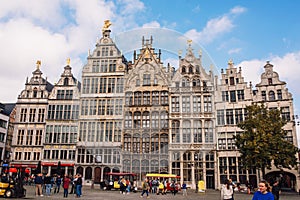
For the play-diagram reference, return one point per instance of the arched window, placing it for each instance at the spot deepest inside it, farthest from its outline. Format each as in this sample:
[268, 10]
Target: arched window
[127, 142]
[155, 120]
[197, 131]
[164, 166]
[190, 70]
[66, 81]
[126, 165]
[186, 131]
[98, 53]
[271, 96]
[145, 167]
[88, 173]
[164, 120]
[137, 119]
[183, 70]
[136, 168]
[146, 119]
[128, 120]
[35, 93]
[154, 166]
[164, 144]
[136, 143]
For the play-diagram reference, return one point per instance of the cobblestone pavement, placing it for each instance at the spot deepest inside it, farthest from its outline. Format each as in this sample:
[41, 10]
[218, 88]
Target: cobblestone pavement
[96, 193]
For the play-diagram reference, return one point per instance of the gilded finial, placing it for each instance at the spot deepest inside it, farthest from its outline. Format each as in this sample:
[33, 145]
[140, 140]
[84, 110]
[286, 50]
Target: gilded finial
[230, 63]
[106, 25]
[68, 61]
[38, 64]
[189, 42]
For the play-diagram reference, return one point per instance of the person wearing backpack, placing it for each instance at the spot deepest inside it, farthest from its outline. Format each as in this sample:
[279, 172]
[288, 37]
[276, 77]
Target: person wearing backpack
[155, 185]
[145, 188]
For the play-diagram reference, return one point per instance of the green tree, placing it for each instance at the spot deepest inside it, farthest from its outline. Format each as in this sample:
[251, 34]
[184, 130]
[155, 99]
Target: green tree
[263, 140]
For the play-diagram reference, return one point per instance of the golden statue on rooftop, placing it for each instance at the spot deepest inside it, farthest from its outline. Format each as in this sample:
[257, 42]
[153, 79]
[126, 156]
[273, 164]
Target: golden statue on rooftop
[68, 61]
[106, 25]
[38, 64]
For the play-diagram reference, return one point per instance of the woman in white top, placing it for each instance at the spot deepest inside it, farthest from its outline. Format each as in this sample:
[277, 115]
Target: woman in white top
[226, 191]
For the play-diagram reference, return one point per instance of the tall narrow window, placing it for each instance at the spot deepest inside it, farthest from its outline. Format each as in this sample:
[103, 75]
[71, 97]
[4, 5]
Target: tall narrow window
[147, 79]
[175, 104]
[32, 115]
[279, 95]
[207, 104]
[137, 120]
[263, 95]
[175, 131]
[146, 98]
[196, 104]
[208, 128]
[146, 119]
[66, 81]
[186, 132]
[232, 96]
[197, 131]
[155, 120]
[186, 104]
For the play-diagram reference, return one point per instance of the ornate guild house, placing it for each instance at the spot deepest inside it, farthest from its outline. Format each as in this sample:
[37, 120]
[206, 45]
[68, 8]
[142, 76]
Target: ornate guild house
[144, 116]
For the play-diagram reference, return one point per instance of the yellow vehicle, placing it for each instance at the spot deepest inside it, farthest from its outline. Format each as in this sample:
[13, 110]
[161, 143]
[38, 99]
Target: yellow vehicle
[6, 189]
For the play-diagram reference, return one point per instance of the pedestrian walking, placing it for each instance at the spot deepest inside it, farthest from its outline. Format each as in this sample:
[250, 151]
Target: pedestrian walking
[145, 188]
[66, 183]
[263, 192]
[38, 180]
[184, 189]
[79, 185]
[48, 184]
[58, 183]
[276, 190]
[226, 191]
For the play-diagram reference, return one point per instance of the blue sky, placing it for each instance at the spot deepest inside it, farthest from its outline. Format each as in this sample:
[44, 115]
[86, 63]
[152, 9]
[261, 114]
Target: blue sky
[249, 32]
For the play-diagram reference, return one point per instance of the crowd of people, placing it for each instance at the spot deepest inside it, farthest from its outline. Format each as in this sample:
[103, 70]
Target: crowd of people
[156, 186]
[49, 185]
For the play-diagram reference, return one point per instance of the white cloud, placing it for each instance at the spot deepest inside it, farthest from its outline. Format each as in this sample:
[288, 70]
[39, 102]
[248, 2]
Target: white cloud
[234, 51]
[153, 24]
[238, 10]
[215, 27]
[287, 66]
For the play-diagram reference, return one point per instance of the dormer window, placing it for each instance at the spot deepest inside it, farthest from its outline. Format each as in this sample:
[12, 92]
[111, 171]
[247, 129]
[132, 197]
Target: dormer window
[66, 81]
[270, 81]
[35, 93]
[231, 80]
[271, 95]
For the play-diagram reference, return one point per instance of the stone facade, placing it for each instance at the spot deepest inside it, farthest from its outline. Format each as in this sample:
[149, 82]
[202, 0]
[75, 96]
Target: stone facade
[144, 117]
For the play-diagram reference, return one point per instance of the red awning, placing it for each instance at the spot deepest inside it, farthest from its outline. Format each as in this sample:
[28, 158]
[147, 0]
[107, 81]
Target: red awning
[23, 165]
